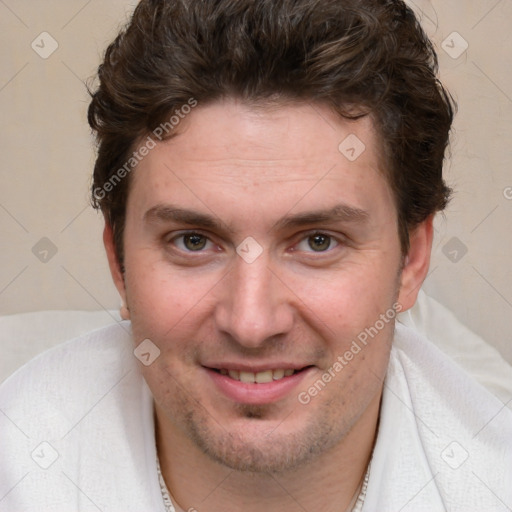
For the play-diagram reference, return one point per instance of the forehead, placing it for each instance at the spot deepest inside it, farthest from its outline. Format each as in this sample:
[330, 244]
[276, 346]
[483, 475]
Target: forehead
[268, 157]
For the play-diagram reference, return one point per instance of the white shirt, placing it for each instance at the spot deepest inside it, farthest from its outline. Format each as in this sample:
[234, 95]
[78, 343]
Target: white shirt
[77, 433]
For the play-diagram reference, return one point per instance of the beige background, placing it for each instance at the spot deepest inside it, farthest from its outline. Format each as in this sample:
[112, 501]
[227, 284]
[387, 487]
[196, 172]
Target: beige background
[47, 156]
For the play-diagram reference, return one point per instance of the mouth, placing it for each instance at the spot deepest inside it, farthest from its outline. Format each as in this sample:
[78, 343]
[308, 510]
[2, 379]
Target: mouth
[261, 377]
[257, 387]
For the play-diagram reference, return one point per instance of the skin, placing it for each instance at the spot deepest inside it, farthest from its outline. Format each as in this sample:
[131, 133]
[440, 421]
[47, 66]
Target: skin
[248, 168]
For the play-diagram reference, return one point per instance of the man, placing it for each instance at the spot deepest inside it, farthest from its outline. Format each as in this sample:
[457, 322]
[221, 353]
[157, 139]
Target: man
[269, 173]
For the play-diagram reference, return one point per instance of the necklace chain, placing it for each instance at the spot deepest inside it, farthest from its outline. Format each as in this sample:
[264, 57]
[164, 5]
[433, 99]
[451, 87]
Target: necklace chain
[166, 495]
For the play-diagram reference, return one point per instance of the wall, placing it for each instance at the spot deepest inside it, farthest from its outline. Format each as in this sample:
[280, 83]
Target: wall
[52, 257]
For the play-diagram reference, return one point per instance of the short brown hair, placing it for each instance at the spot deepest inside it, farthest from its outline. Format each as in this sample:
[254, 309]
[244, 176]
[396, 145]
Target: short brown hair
[368, 54]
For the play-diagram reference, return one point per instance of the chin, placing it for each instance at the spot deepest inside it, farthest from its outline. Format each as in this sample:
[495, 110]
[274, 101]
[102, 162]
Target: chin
[254, 444]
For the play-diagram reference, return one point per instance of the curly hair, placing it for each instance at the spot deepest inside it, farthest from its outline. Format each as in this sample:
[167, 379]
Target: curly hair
[359, 57]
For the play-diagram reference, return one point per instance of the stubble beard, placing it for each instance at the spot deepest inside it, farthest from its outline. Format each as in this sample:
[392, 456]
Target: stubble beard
[272, 450]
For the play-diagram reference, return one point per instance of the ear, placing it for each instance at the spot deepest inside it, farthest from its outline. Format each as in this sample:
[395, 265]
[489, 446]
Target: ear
[416, 263]
[113, 262]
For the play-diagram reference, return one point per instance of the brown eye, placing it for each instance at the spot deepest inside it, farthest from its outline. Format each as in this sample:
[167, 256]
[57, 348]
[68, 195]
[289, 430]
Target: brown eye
[194, 242]
[319, 242]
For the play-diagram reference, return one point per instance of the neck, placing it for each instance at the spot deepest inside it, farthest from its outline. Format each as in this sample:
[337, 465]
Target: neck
[331, 482]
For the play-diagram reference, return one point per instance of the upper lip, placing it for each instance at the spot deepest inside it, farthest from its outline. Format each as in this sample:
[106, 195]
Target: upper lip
[256, 368]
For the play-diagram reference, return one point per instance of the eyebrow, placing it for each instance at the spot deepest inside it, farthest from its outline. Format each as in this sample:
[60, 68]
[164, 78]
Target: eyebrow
[170, 213]
[338, 213]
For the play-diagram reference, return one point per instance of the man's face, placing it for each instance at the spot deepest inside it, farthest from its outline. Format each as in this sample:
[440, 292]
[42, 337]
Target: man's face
[235, 182]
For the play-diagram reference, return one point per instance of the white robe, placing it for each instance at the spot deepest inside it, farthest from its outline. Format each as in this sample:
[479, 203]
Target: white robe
[77, 433]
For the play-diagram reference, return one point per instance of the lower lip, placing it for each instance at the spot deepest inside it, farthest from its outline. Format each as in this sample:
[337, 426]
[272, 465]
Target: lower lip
[257, 394]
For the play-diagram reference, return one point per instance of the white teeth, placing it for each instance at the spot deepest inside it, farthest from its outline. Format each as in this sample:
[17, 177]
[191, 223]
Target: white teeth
[278, 374]
[247, 377]
[234, 374]
[262, 377]
[259, 377]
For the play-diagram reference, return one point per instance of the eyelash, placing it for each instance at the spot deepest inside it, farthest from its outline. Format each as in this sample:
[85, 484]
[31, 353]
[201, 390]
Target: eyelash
[304, 238]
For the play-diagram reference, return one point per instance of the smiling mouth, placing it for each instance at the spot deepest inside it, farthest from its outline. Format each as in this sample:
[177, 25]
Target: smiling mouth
[262, 377]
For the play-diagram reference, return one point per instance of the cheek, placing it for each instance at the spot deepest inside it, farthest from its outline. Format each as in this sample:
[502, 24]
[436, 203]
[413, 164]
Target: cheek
[351, 296]
[161, 297]
[346, 311]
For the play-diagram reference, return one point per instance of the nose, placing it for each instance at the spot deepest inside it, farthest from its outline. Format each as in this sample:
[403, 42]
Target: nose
[255, 305]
